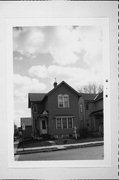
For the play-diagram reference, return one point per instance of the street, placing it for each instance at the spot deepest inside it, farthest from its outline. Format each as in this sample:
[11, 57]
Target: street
[88, 153]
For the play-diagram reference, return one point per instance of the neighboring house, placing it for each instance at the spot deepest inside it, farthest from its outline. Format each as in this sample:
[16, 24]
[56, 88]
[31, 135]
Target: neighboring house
[97, 114]
[62, 110]
[26, 127]
[86, 106]
[91, 111]
[56, 112]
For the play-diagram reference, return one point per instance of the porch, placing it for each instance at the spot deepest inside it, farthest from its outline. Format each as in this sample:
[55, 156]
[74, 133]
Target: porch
[41, 125]
[97, 122]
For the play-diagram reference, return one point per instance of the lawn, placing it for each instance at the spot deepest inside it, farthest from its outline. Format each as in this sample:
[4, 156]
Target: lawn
[40, 143]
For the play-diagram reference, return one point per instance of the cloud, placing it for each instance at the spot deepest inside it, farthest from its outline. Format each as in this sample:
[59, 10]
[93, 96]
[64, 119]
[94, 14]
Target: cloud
[21, 113]
[74, 75]
[23, 85]
[63, 43]
[38, 71]
[28, 40]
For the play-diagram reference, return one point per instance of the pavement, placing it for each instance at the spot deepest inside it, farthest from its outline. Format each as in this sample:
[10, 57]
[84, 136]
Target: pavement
[20, 151]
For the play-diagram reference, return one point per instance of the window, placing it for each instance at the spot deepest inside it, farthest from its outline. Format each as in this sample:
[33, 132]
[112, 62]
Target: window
[81, 108]
[35, 108]
[70, 122]
[64, 122]
[58, 123]
[60, 101]
[66, 101]
[63, 101]
[43, 124]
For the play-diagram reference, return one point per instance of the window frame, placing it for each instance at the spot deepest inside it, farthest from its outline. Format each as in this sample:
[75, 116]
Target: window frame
[44, 126]
[57, 123]
[66, 95]
[35, 109]
[67, 122]
[63, 102]
[59, 100]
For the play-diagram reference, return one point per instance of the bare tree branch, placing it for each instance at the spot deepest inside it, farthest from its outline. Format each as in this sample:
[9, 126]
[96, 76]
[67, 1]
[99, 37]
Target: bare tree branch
[91, 88]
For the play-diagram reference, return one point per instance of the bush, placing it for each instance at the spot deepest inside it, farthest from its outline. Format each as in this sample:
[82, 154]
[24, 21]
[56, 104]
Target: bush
[65, 141]
[84, 133]
[46, 136]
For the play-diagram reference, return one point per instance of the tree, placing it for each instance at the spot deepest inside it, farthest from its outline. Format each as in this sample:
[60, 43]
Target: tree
[91, 88]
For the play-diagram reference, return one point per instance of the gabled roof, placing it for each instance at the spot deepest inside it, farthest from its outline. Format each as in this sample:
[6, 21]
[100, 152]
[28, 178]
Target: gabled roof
[67, 85]
[100, 111]
[38, 97]
[99, 96]
[35, 97]
[88, 97]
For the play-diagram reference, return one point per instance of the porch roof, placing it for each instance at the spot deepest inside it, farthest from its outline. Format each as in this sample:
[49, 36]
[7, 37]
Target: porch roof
[88, 97]
[35, 97]
[99, 96]
[97, 112]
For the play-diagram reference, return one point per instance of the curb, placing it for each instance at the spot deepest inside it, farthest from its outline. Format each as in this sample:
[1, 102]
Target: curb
[50, 149]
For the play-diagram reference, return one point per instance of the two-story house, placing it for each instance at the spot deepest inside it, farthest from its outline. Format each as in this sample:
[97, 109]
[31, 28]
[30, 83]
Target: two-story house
[91, 112]
[97, 114]
[56, 112]
[63, 109]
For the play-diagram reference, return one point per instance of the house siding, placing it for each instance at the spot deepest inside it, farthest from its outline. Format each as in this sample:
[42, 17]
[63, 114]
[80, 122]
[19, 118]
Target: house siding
[90, 118]
[55, 111]
[91, 108]
[99, 105]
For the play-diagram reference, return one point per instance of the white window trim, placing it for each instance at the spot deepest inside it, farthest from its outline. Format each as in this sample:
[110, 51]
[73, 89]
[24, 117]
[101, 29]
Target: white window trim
[65, 95]
[56, 123]
[62, 121]
[72, 122]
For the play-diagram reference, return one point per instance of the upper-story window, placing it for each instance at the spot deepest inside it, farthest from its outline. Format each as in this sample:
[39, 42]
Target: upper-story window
[63, 101]
[35, 108]
[60, 101]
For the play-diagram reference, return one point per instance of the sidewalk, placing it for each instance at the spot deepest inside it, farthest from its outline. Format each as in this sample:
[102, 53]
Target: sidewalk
[16, 146]
[57, 147]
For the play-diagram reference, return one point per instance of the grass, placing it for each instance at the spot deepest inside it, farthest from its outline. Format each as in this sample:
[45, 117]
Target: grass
[39, 143]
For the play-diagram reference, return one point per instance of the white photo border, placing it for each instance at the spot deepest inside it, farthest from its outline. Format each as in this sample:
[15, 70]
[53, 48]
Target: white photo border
[104, 23]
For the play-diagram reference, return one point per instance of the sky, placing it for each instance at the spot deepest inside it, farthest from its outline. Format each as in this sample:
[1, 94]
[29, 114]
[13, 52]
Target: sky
[40, 54]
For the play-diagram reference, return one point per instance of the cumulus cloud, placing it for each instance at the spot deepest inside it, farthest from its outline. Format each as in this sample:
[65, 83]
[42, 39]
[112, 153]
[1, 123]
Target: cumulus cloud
[75, 75]
[21, 113]
[28, 40]
[75, 55]
[64, 43]
[23, 85]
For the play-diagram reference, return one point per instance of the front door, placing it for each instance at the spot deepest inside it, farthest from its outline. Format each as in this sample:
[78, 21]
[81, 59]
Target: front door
[43, 126]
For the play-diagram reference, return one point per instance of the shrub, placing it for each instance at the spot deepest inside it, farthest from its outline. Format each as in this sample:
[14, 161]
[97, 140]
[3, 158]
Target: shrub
[46, 136]
[84, 133]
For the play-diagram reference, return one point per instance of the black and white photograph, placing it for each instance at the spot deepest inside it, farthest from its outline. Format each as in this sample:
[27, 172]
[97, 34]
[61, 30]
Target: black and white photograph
[58, 93]
[58, 79]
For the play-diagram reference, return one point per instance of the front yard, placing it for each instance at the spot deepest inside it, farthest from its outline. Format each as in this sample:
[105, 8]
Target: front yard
[39, 143]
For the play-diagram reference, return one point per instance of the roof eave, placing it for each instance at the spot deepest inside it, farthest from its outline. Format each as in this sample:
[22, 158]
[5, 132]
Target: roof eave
[63, 82]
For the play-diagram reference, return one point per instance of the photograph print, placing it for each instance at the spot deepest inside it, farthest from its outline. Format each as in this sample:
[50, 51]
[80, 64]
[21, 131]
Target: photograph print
[58, 93]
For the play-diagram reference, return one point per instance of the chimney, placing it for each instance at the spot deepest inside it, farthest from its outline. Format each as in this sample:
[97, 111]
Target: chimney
[55, 83]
